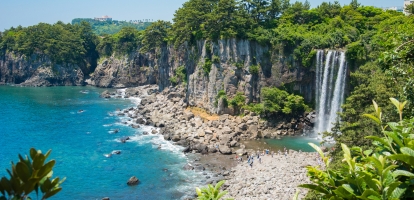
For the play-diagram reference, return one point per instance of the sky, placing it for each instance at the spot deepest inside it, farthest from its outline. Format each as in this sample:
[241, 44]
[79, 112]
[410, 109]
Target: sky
[31, 12]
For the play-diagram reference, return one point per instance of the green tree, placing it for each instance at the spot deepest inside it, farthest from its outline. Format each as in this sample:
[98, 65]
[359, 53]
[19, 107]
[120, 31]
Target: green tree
[410, 9]
[29, 174]
[156, 35]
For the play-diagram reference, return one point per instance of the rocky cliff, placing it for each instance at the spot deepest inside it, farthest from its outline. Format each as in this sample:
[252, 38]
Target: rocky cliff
[230, 71]
[38, 70]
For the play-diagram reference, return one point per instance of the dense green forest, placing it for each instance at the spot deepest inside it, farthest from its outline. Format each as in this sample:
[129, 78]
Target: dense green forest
[110, 27]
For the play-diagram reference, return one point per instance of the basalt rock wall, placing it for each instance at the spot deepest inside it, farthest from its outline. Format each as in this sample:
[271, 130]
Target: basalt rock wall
[38, 70]
[230, 71]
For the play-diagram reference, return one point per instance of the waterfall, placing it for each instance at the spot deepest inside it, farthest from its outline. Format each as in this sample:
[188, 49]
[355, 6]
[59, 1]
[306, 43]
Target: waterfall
[329, 88]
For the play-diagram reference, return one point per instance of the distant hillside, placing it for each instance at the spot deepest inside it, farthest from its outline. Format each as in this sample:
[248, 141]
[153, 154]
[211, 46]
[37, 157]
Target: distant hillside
[110, 27]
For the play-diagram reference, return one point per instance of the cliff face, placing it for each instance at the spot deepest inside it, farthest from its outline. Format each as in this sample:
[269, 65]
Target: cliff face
[230, 71]
[38, 70]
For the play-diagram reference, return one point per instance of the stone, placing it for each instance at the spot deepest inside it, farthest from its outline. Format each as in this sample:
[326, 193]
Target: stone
[176, 138]
[116, 152]
[224, 149]
[242, 126]
[233, 143]
[188, 116]
[241, 152]
[201, 133]
[188, 167]
[208, 131]
[226, 130]
[105, 94]
[140, 121]
[224, 139]
[133, 181]
[173, 95]
[105, 198]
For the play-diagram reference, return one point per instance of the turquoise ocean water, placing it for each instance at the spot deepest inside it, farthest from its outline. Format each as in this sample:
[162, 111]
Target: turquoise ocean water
[49, 118]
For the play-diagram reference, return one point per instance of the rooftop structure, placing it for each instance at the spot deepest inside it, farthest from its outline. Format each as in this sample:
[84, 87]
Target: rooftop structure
[406, 3]
[396, 8]
[103, 18]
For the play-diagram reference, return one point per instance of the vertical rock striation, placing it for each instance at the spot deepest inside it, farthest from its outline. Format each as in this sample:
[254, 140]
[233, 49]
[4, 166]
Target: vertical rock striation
[38, 70]
[230, 71]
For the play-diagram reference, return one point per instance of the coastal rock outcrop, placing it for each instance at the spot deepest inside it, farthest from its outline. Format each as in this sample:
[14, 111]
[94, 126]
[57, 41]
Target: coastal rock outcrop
[38, 70]
[230, 62]
[133, 181]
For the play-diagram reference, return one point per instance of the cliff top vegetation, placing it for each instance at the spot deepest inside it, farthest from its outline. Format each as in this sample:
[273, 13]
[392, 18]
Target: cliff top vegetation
[110, 27]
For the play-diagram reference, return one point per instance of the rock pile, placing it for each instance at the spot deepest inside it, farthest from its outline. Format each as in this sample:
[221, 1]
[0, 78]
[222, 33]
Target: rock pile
[167, 111]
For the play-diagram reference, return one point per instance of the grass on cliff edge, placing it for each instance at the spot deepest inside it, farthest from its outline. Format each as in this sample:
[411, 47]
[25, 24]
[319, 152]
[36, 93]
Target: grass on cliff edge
[203, 114]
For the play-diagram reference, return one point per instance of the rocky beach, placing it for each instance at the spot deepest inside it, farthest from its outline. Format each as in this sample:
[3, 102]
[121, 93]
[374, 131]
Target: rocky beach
[213, 141]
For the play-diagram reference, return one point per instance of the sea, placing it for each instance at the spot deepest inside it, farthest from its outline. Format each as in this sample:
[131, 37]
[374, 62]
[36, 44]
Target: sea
[78, 126]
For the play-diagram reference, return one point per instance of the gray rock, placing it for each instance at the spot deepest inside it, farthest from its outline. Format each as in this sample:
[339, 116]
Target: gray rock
[224, 149]
[188, 167]
[133, 181]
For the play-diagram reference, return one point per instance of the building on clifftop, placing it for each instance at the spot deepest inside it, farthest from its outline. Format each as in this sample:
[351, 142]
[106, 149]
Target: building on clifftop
[103, 18]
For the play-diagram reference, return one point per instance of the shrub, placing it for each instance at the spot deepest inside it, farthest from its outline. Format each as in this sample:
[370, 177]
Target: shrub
[274, 100]
[207, 66]
[238, 100]
[210, 192]
[239, 65]
[216, 59]
[254, 69]
[173, 80]
[221, 95]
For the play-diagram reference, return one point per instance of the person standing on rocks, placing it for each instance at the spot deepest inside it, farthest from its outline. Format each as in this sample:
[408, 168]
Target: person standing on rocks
[273, 153]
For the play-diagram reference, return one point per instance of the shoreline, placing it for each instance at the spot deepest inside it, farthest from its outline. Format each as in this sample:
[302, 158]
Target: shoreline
[210, 146]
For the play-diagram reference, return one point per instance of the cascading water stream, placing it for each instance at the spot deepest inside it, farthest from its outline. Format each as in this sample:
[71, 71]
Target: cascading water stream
[323, 94]
[338, 92]
[329, 88]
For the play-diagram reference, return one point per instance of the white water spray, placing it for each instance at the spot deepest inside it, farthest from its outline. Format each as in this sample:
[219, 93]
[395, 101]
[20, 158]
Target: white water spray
[329, 88]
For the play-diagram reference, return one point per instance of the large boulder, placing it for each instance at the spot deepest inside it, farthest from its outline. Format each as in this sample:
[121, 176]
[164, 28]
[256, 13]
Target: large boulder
[176, 138]
[173, 95]
[226, 130]
[224, 139]
[187, 116]
[241, 152]
[105, 94]
[224, 149]
[133, 181]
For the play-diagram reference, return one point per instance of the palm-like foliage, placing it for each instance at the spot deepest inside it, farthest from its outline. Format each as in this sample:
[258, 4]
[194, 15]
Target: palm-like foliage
[383, 173]
[28, 175]
[210, 192]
